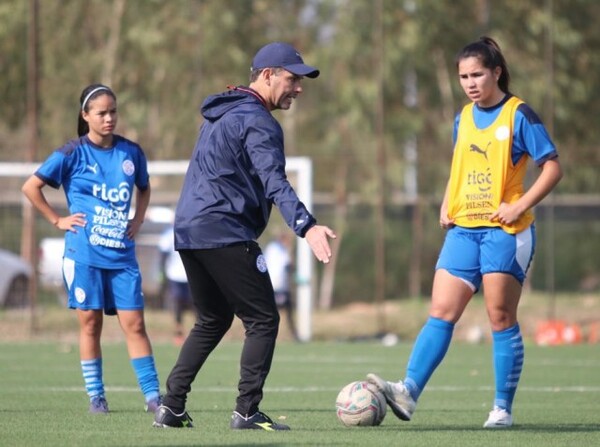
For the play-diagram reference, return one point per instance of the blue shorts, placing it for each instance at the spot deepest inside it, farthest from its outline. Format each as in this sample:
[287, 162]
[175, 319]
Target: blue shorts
[470, 253]
[93, 288]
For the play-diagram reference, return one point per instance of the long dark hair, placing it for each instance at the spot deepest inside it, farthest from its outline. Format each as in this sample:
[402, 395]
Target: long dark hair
[488, 52]
[88, 94]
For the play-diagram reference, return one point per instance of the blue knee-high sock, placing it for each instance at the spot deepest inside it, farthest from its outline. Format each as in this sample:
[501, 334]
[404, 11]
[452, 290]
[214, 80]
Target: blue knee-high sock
[92, 376]
[147, 376]
[427, 353]
[508, 354]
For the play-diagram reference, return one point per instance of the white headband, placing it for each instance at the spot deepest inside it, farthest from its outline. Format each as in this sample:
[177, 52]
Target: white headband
[97, 89]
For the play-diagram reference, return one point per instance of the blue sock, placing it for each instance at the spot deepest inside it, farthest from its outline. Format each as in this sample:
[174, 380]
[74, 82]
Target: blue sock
[430, 348]
[508, 363]
[147, 376]
[92, 376]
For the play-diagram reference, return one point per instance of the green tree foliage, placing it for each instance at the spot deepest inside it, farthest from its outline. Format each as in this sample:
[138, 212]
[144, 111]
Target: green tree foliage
[164, 57]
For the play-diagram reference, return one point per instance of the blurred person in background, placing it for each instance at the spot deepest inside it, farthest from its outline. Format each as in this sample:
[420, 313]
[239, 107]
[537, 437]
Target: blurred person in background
[279, 262]
[177, 287]
[99, 172]
[490, 239]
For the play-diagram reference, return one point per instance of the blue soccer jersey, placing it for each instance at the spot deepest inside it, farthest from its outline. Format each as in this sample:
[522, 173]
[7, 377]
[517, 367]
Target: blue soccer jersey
[98, 182]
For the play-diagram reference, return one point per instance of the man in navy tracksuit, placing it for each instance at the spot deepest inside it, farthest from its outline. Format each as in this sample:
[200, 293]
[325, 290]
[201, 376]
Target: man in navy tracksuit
[236, 174]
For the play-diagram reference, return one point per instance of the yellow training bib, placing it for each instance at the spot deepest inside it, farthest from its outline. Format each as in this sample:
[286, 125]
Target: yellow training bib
[482, 174]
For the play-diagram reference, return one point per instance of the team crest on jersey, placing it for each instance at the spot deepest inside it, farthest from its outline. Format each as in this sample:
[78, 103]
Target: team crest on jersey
[128, 167]
[79, 295]
[502, 133]
[261, 263]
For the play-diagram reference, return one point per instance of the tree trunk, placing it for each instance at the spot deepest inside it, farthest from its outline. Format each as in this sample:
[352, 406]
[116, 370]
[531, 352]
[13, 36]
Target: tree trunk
[340, 218]
[112, 45]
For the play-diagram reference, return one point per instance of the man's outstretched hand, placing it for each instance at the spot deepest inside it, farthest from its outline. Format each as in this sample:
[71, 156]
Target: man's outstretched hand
[317, 238]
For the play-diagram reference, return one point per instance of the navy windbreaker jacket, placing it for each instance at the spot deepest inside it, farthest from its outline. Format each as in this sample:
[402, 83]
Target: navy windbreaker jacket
[236, 173]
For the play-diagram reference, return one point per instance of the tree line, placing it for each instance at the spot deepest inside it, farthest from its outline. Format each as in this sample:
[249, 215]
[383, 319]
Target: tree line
[377, 122]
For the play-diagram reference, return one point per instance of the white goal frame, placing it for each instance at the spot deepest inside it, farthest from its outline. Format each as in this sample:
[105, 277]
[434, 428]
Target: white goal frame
[301, 167]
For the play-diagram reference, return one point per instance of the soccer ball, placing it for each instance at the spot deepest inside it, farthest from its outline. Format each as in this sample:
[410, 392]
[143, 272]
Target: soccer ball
[360, 404]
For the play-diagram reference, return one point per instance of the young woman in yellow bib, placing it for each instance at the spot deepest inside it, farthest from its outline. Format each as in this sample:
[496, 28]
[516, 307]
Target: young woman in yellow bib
[491, 234]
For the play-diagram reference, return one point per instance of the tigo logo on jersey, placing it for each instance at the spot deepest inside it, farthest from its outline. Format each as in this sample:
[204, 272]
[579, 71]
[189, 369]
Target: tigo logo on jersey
[483, 180]
[113, 195]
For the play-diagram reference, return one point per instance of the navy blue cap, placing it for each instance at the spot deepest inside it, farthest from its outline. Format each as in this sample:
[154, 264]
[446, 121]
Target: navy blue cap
[280, 54]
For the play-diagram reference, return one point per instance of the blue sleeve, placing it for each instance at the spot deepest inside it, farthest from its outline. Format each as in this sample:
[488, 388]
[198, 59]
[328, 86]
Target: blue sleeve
[264, 144]
[531, 137]
[57, 167]
[455, 128]
[142, 178]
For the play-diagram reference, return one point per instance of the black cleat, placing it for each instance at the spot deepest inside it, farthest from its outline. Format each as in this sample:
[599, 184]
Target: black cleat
[258, 421]
[166, 418]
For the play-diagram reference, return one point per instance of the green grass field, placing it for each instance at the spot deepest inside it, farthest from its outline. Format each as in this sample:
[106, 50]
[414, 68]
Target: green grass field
[42, 400]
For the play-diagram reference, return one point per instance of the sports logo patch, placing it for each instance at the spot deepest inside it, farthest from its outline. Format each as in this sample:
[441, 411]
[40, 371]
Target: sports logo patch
[261, 263]
[79, 295]
[128, 167]
[502, 133]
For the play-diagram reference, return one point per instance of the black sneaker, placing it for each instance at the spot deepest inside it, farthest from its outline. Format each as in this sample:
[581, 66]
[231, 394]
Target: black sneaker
[258, 421]
[166, 418]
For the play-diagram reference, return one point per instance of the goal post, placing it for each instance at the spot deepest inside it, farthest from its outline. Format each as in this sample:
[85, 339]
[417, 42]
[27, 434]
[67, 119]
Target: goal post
[301, 168]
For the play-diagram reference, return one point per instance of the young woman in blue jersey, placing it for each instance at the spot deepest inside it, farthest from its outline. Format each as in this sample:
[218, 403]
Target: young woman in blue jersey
[491, 235]
[99, 172]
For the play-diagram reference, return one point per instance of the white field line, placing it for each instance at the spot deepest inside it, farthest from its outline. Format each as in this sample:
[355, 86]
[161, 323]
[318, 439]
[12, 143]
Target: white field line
[317, 389]
[335, 360]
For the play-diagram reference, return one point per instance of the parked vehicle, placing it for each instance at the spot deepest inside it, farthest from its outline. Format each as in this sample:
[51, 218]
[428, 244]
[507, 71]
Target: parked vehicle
[15, 276]
[50, 256]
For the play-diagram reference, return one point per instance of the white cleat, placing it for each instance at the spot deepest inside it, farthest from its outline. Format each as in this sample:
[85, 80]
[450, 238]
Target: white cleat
[396, 396]
[498, 418]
